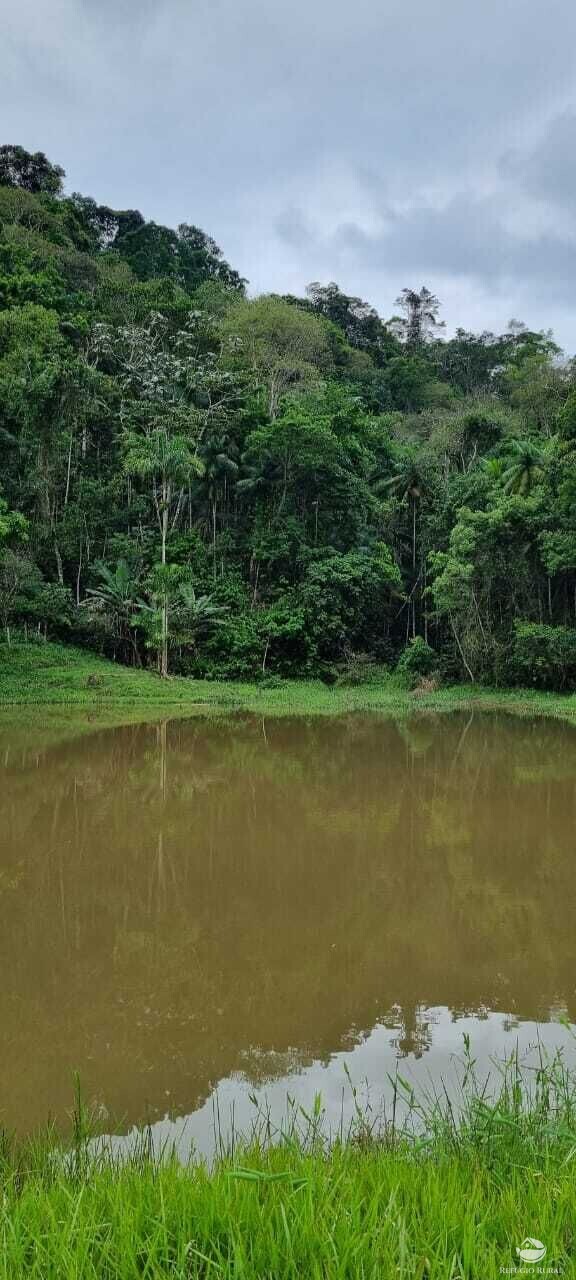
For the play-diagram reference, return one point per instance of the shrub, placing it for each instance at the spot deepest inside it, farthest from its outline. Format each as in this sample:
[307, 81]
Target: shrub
[418, 659]
[426, 685]
[358, 669]
[271, 682]
[543, 656]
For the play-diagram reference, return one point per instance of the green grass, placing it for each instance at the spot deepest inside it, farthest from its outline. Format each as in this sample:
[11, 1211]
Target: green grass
[453, 1198]
[38, 675]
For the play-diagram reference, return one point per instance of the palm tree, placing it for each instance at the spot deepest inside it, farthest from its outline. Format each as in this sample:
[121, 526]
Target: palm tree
[116, 597]
[494, 467]
[408, 484]
[420, 315]
[526, 466]
[189, 616]
[220, 461]
[196, 615]
[168, 461]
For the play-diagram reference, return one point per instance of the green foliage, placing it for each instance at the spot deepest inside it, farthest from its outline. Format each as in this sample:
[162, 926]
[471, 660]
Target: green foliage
[44, 673]
[418, 659]
[32, 172]
[13, 526]
[237, 487]
[187, 256]
[26, 599]
[25, 278]
[525, 468]
[449, 1191]
[567, 418]
[349, 598]
[285, 347]
[543, 656]
[406, 383]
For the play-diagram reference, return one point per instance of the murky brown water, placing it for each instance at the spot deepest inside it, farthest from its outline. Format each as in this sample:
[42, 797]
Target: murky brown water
[195, 907]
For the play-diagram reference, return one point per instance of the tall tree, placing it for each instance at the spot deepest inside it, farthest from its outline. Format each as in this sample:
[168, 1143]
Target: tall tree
[30, 170]
[420, 320]
[286, 349]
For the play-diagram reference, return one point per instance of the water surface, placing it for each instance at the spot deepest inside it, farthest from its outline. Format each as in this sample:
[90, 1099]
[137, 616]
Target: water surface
[194, 911]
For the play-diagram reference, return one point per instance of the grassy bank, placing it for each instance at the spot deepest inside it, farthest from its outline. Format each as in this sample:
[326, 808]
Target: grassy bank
[40, 675]
[455, 1201]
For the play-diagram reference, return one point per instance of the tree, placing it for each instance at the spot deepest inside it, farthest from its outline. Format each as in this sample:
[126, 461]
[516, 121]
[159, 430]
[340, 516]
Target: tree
[220, 459]
[348, 599]
[486, 579]
[286, 349]
[195, 615]
[167, 461]
[162, 426]
[525, 467]
[47, 392]
[183, 618]
[420, 321]
[103, 223]
[358, 320]
[406, 381]
[201, 261]
[566, 420]
[284, 459]
[537, 387]
[13, 525]
[187, 255]
[30, 170]
[15, 569]
[469, 361]
[409, 484]
[117, 597]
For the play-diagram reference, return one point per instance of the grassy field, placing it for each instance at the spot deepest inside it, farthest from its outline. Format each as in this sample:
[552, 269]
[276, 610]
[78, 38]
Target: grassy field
[455, 1202]
[39, 675]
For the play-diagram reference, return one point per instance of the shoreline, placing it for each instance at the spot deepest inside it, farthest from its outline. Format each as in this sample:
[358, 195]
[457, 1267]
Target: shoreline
[457, 1195]
[50, 675]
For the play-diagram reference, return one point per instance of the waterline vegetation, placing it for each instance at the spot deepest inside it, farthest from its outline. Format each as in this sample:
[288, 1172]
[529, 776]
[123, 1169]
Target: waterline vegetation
[444, 1187]
[44, 676]
[52, 694]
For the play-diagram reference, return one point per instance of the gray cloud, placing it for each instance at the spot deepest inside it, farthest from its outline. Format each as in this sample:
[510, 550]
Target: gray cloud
[379, 144]
[547, 170]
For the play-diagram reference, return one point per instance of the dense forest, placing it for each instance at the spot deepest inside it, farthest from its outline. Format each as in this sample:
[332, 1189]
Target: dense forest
[227, 486]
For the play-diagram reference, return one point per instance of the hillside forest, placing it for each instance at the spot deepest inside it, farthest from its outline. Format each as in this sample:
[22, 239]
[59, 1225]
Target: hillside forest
[213, 484]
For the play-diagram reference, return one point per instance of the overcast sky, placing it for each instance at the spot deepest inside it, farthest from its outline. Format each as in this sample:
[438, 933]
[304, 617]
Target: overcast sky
[378, 143]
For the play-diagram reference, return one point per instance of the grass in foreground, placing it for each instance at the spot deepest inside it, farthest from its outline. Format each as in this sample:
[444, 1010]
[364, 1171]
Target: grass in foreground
[455, 1201]
[38, 675]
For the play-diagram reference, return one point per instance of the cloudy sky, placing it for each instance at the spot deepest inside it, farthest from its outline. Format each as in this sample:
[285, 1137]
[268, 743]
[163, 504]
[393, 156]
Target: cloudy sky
[378, 143]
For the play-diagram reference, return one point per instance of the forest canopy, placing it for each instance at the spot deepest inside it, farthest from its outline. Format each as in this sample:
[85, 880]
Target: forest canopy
[228, 486]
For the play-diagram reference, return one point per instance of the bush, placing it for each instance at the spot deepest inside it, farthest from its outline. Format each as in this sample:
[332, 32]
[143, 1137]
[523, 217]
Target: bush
[271, 682]
[426, 685]
[357, 669]
[418, 659]
[255, 642]
[543, 656]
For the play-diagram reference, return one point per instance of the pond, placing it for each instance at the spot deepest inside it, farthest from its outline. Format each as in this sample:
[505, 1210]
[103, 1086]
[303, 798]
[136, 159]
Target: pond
[203, 917]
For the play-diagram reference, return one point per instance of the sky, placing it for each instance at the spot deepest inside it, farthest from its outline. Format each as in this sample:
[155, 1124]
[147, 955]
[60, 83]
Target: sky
[379, 143]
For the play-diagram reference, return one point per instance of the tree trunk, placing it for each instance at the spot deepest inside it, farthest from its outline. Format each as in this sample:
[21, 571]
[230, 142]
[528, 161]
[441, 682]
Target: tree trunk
[164, 634]
[68, 471]
[58, 559]
[78, 575]
[214, 537]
